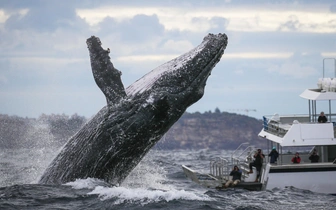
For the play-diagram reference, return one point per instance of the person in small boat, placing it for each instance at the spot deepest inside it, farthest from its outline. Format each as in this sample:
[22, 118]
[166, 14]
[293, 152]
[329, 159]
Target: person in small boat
[314, 158]
[296, 158]
[274, 155]
[236, 177]
[258, 161]
[322, 118]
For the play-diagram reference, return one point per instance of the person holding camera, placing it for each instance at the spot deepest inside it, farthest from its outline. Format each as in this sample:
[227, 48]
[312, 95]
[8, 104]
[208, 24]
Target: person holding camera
[236, 177]
[258, 161]
[322, 118]
[296, 158]
[314, 158]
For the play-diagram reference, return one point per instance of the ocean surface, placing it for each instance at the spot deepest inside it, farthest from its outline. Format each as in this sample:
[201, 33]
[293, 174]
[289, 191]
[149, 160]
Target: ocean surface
[157, 182]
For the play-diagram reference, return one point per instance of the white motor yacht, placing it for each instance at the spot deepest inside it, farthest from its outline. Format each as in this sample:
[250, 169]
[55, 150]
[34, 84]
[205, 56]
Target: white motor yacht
[288, 134]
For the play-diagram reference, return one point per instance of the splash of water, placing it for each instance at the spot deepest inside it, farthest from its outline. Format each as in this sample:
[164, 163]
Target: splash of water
[146, 184]
[145, 196]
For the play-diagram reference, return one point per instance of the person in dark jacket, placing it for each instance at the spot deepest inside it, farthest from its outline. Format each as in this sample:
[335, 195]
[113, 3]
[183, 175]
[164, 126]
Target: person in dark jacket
[296, 158]
[236, 177]
[314, 158]
[322, 118]
[258, 161]
[274, 155]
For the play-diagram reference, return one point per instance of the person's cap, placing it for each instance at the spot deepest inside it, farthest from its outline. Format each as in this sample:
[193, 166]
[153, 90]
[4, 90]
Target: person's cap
[274, 147]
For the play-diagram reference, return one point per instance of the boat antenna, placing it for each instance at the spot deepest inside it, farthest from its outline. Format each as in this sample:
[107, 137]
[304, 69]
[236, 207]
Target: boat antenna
[334, 65]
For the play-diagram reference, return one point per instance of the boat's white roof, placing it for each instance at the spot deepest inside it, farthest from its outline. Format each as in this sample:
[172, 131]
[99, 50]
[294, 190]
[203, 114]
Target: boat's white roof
[318, 95]
[302, 134]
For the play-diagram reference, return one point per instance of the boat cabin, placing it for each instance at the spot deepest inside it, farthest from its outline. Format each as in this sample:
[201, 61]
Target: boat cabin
[305, 130]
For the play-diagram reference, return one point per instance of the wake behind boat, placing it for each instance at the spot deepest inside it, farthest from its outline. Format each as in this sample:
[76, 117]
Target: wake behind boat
[287, 133]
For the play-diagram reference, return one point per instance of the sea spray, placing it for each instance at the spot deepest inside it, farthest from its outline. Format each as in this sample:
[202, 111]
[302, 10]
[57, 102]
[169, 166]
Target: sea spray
[146, 184]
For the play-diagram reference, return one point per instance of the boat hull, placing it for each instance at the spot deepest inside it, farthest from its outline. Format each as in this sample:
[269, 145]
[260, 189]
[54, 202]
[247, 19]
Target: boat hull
[313, 177]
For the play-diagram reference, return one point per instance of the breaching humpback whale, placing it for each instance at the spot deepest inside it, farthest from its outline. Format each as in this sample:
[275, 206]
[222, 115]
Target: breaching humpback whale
[115, 140]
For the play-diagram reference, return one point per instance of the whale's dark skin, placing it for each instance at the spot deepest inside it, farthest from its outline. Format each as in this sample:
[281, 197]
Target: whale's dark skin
[114, 141]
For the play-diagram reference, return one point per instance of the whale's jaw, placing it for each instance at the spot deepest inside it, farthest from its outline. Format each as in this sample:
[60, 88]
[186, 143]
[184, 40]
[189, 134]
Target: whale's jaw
[111, 144]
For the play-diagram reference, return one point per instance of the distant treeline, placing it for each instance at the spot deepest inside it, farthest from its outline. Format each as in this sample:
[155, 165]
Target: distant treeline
[213, 130]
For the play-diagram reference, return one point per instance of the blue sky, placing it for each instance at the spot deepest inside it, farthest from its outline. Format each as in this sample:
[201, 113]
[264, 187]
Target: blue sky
[275, 51]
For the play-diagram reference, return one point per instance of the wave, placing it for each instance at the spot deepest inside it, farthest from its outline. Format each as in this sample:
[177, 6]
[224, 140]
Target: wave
[145, 196]
[140, 195]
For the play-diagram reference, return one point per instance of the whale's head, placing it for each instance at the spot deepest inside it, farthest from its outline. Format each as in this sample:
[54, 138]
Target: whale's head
[183, 79]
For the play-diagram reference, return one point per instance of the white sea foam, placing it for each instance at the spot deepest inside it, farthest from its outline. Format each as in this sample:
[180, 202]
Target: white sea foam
[145, 196]
[89, 183]
[147, 183]
[141, 195]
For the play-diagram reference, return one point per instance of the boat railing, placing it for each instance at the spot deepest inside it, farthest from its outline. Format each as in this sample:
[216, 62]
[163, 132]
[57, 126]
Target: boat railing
[272, 125]
[331, 117]
[280, 124]
[243, 158]
[285, 159]
[234, 153]
[219, 167]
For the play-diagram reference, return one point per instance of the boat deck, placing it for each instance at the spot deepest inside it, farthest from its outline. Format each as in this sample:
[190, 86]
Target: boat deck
[302, 167]
[252, 186]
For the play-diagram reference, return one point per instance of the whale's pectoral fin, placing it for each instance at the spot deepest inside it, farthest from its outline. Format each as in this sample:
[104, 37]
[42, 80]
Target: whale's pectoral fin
[106, 76]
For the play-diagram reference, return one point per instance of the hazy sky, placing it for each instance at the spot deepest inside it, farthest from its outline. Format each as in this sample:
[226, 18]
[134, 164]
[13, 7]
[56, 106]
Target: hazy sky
[275, 51]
